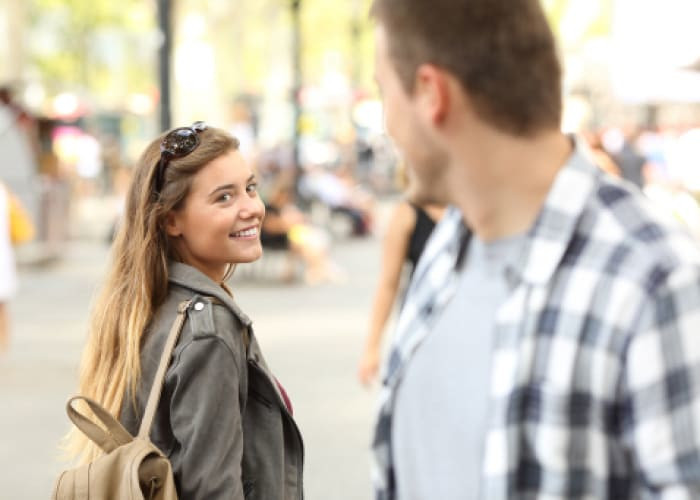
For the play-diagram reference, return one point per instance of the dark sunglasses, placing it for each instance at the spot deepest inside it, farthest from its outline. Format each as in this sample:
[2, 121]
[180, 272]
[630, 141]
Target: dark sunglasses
[177, 143]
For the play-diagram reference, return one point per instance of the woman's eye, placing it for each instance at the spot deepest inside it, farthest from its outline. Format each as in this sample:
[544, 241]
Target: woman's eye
[225, 197]
[251, 188]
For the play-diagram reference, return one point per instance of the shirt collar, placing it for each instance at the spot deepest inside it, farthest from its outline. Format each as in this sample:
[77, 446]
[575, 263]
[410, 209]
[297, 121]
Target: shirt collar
[548, 238]
[556, 223]
[446, 239]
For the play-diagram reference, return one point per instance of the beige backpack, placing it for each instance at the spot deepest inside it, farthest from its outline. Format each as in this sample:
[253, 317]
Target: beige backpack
[132, 467]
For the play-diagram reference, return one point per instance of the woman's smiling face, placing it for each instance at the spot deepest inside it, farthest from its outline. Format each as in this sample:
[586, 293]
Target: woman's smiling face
[219, 222]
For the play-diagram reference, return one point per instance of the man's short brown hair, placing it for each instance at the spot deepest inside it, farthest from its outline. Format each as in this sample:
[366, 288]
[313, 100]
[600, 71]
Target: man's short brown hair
[502, 52]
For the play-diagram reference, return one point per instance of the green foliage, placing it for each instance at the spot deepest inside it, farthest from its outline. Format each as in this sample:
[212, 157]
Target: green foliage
[601, 25]
[332, 26]
[76, 58]
[251, 38]
[555, 10]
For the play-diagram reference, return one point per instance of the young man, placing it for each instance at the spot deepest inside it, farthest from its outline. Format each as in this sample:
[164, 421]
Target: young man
[553, 350]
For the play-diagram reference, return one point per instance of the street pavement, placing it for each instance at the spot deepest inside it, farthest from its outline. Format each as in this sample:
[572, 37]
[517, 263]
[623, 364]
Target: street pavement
[311, 337]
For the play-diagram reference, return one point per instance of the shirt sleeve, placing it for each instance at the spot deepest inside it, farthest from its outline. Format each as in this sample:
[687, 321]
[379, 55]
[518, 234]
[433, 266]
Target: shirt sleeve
[661, 387]
[206, 421]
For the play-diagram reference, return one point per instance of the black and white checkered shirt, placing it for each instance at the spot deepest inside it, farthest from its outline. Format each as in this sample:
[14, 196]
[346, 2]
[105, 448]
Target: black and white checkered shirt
[595, 382]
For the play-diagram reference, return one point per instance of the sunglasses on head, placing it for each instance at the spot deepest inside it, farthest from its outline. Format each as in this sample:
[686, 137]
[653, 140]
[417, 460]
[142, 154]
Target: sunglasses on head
[177, 143]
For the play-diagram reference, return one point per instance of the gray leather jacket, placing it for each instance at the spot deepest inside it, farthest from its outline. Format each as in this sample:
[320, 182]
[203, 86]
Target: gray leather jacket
[222, 420]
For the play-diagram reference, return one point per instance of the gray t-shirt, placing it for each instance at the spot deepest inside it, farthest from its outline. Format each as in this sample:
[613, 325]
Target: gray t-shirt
[441, 404]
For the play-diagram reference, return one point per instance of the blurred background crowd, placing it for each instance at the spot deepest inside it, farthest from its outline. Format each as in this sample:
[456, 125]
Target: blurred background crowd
[87, 84]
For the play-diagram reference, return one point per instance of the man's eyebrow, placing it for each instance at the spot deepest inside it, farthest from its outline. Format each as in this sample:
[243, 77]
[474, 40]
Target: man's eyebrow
[232, 186]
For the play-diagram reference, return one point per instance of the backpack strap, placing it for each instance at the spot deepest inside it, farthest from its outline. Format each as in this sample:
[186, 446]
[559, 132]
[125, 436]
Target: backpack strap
[159, 379]
[109, 438]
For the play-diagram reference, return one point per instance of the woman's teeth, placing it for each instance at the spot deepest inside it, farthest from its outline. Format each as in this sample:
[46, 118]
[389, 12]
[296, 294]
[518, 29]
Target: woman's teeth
[246, 232]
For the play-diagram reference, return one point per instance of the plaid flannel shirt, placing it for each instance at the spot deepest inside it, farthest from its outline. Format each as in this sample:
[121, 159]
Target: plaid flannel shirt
[595, 380]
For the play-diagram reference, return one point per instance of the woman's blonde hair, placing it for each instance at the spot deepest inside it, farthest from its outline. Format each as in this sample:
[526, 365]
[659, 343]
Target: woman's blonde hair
[137, 280]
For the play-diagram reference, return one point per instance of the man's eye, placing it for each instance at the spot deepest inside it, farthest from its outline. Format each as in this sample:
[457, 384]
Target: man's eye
[251, 188]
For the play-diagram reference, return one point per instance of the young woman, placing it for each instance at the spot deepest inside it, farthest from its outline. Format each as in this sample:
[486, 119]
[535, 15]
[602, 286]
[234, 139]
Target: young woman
[224, 421]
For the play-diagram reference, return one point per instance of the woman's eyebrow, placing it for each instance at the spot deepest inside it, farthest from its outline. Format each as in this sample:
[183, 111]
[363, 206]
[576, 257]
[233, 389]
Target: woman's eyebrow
[225, 187]
[232, 186]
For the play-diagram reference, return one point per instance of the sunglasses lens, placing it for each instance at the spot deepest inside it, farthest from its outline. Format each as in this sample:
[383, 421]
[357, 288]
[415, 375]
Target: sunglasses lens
[180, 142]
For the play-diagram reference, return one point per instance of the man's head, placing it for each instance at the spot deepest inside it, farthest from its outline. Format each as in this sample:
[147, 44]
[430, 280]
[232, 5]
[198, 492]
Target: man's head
[497, 56]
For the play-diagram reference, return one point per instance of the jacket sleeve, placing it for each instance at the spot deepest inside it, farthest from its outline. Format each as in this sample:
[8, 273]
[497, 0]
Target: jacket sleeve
[206, 421]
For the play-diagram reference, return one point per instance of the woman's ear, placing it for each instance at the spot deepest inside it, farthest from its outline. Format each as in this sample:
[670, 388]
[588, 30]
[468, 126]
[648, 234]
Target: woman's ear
[172, 224]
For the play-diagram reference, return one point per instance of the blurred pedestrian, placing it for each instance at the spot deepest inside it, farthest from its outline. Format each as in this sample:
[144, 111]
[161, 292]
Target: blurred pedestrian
[632, 163]
[24, 123]
[8, 272]
[550, 351]
[599, 154]
[18, 166]
[342, 195]
[224, 421]
[408, 230]
[286, 228]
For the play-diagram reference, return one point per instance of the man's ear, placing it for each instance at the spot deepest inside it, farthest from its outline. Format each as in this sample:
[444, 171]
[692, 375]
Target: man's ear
[172, 225]
[432, 92]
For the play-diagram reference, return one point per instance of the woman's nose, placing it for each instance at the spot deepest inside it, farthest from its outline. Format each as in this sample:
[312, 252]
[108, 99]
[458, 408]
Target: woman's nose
[252, 207]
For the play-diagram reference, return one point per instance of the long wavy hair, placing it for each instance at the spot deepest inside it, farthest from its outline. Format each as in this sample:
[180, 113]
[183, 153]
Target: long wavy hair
[137, 280]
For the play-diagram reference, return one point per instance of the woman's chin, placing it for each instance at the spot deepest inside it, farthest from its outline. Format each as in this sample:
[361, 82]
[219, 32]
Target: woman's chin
[248, 257]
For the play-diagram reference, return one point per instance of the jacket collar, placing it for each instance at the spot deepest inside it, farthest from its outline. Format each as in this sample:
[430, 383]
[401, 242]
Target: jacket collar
[188, 277]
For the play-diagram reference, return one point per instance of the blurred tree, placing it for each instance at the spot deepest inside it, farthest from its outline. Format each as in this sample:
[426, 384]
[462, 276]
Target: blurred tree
[98, 46]
[342, 27]
[576, 21]
[254, 37]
